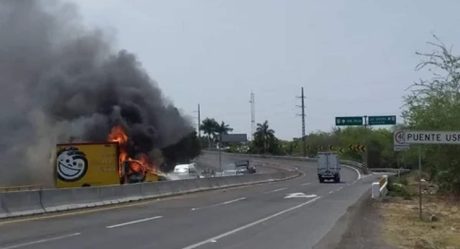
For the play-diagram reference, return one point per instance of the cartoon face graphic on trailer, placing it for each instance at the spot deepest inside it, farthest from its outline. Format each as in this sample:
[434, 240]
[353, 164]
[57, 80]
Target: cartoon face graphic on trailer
[71, 164]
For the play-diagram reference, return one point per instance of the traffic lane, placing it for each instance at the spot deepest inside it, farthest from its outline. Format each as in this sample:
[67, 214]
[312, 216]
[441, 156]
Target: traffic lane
[177, 231]
[138, 211]
[301, 228]
[133, 213]
[239, 208]
[14, 232]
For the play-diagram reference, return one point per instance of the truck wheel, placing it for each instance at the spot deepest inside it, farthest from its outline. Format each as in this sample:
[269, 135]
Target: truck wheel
[321, 180]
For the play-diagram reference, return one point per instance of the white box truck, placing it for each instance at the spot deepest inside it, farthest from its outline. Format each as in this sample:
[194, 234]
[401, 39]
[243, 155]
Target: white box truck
[328, 167]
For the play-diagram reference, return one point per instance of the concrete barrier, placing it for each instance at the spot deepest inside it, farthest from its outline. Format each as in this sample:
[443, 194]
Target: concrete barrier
[71, 198]
[379, 189]
[3, 212]
[20, 203]
[150, 190]
[130, 192]
[110, 195]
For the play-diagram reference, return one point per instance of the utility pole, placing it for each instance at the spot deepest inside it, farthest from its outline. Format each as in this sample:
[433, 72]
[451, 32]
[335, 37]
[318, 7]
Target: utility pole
[199, 122]
[304, 141]
[420, 212]
[366, 153]
[253, 115]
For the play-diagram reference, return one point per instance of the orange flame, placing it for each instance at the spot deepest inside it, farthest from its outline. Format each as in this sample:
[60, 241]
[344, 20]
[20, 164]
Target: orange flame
[118, 134]
[141, 164]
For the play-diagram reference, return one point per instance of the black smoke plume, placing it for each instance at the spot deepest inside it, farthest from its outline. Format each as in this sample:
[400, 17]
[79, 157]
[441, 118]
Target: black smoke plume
[61, 81]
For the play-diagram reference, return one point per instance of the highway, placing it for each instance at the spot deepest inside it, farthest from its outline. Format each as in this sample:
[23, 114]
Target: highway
[293, 214]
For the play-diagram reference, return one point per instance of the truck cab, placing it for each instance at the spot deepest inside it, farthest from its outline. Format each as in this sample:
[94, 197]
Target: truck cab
[328, 167]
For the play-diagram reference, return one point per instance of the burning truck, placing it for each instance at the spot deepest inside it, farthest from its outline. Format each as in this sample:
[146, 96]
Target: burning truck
[105, 163]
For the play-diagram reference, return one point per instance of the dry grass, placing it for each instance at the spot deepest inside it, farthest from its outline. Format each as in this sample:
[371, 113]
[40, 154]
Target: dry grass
[403, 228]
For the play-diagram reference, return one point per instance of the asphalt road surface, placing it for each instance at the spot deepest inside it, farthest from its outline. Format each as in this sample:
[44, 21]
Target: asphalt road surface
[293, 214]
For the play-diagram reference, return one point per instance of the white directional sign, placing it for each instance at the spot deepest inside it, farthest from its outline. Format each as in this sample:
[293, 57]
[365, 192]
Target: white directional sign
[431, 137]
[399, 143]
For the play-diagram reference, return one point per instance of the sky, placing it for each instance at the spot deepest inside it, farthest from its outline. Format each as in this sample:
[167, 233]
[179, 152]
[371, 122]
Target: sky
[353, 57]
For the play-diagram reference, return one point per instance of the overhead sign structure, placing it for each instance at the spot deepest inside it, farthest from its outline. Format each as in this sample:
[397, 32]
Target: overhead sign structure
[431, 137]
[348, 121]
[382, 120]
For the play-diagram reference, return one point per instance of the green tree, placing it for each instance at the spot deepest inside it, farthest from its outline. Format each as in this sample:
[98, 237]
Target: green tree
[434, 104]
[223, 128]
[265, 140]
[210, 127]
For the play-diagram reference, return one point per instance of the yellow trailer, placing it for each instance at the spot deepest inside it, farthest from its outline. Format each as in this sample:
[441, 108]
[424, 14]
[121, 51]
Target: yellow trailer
[95, 164]
[87, 164]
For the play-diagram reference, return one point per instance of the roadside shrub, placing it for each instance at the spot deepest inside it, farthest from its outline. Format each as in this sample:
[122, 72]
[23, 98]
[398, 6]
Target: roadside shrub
[397, 188]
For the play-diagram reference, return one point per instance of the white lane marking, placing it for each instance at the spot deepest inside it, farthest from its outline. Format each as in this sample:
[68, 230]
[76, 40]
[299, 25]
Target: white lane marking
[357, 171]
[339, 189]
[305, 184]
[275, 190]
[331, 192]
[134, 222]
[299, 195]
[220, 204]
[41, 241]
[232, 201]
[220, 236]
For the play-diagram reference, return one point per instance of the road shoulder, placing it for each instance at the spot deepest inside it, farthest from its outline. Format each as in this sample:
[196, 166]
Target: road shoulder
[360, 227]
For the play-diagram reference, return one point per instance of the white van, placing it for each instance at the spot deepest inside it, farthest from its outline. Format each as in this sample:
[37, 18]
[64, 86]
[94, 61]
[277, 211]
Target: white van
[186, 169]
[328, 167]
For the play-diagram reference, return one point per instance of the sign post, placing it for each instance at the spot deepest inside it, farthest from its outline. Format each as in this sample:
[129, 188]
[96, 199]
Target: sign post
[420, 182]
[425, 137]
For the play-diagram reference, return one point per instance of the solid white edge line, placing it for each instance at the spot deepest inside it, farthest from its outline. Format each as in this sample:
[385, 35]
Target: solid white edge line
[305, 184]
[210, 240]
[356, 170]
[134, 222]
[41, 241]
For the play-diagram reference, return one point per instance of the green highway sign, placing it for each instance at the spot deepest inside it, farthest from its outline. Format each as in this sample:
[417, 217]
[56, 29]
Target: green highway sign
[348, 121]
[382, 120]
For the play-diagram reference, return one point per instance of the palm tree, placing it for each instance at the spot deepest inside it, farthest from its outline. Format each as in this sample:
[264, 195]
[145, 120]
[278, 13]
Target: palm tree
[209, 126]
[264, 136]
[224, 128]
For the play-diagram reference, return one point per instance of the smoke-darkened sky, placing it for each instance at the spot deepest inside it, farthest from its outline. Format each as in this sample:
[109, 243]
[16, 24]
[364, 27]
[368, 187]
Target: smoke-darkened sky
[353, 57]
[61, 81]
